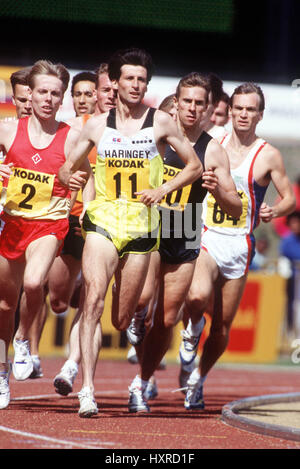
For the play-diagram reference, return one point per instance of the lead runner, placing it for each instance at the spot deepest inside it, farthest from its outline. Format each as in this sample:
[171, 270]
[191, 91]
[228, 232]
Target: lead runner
[121, 226]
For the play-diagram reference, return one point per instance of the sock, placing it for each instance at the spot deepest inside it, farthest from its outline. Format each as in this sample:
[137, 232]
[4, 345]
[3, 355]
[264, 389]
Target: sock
[195, 377]
[195, 329]
[71, 363]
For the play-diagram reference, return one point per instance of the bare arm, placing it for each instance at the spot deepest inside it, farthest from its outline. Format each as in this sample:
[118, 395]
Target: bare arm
[287, 202]
[166, 131]
[79, 152]
[218, 181]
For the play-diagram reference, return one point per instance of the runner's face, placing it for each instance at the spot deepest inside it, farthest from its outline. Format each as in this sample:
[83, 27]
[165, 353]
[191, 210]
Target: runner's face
[220, 114]
[47, 96]
[84, 99]
[106, 95]
[132, 84]
[22, 101]
[191, 105]
[245, 113]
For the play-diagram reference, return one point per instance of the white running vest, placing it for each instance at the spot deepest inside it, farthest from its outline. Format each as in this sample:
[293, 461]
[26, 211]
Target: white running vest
[250, 192]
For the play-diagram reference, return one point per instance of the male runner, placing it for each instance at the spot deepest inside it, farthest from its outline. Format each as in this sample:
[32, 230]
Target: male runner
[179, 247]
[35, 212]
[66, 267]
[83, 93]
[227, 244]
[220, 118]
[21, 97]
[121, 224]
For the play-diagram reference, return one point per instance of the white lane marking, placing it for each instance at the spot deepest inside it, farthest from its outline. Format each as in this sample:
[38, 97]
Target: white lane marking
[48, 439]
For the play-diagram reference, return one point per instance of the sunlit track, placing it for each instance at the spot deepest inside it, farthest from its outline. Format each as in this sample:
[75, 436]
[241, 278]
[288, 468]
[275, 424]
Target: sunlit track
[38, 417]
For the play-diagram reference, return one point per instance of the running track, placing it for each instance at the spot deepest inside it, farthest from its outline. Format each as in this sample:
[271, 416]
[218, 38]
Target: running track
[37, 418]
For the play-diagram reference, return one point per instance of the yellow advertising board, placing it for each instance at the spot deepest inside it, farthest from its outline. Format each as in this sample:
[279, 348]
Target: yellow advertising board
[255, 333]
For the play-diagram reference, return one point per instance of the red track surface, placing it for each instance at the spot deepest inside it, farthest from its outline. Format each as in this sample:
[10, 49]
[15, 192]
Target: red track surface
[37, 418]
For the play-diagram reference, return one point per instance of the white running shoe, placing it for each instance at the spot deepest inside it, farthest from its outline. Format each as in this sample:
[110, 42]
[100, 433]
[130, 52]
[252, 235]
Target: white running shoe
[137, 401]
[63, 382]
[194, 396]
[184, 374]
[37, 369]
[189, 345]
[132, 356]
[136, 330]
[88, 405]
[4, 388]
[23, 364]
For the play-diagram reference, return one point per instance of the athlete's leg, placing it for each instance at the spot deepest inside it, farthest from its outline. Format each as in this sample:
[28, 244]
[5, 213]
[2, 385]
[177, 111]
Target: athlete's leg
[228, 294]
[201, 288]
[99, 262]
[62, 278]
[174, 284]
[11, 277]
[130, 277]
[40, 255]
[148, 297]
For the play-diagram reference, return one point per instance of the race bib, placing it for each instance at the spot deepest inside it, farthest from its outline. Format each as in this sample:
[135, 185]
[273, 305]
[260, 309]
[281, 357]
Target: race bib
[124, 177]
[29, 191]
[176, 200]
[216, 217]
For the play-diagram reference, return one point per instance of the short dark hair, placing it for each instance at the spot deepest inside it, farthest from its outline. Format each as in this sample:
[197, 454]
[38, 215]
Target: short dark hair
[191, 80]
[216, 87]
[248, 88]
[131, 56]
[20, 77]
[83, 76]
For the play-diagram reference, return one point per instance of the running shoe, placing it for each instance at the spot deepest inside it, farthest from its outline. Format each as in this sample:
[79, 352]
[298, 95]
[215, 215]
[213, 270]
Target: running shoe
[194, 396]
[88, 405]
[184, 374]
[37, 370]
[137, 401]
[136, 330]
[151, 391]
[132, 356]
[189, 345]
[4, 388]
[63, 382]
[23, 364]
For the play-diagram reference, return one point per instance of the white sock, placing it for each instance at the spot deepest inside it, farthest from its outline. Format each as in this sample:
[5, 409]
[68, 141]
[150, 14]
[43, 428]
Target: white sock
[195, 329]
[71, 363]
[195, 377]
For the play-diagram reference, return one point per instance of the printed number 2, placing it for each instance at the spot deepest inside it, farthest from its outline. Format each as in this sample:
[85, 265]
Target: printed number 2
[30, 191]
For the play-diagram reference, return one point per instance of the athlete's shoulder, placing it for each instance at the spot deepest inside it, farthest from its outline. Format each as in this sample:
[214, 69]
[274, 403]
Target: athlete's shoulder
[270, 153]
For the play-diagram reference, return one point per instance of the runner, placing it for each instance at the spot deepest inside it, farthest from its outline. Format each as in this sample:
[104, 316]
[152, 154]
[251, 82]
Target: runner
[121, 224]
[35, 212]
[227, 244]
[179, 247]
